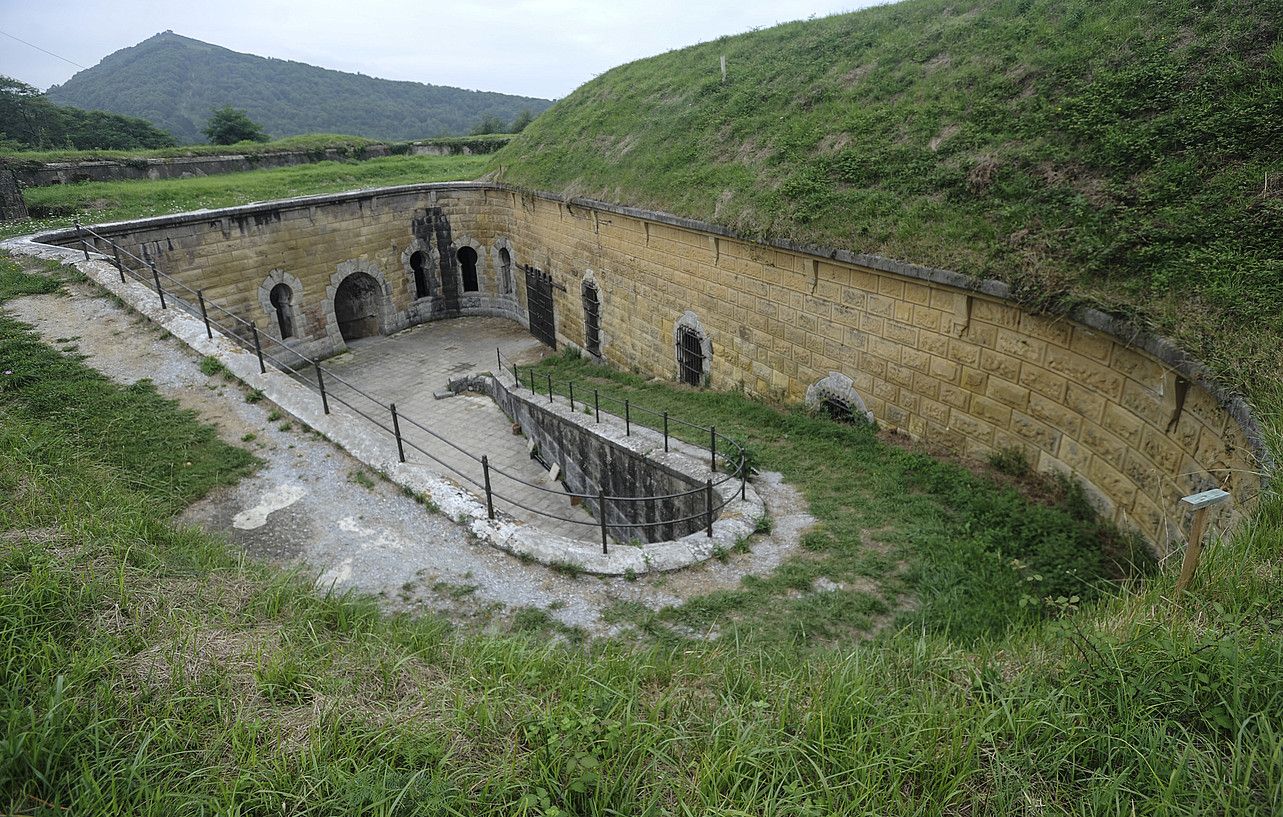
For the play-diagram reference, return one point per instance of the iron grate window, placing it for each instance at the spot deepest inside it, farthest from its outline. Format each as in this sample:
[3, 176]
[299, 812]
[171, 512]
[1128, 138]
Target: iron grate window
[690, 356]
[592, 320]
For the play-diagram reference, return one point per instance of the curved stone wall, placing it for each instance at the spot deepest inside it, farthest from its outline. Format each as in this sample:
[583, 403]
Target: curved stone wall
[934, 354]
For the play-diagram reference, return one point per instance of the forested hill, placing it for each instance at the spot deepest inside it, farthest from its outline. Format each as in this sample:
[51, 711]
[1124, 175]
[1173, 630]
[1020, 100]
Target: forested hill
[1121, 150]
[175, 82]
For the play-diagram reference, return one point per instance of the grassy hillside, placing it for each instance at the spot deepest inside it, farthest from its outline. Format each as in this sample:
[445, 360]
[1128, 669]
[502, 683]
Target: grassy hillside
[1121, 150]
[175, 82]
[60, 205]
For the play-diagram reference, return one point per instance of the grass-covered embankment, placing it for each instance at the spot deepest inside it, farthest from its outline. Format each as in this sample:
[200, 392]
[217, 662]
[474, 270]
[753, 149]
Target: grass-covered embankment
[59, 205]
[150, 672]
[1124, 151]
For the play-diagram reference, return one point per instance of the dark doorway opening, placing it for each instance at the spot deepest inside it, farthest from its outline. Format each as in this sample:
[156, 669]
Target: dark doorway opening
[281, 298]
[468, 268]
[592, 320]
[356, 306]
[690, 356]
[539, 306]
[418, 265]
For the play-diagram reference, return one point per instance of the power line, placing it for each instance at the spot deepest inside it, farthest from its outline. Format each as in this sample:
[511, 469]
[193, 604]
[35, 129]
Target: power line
[38, 48]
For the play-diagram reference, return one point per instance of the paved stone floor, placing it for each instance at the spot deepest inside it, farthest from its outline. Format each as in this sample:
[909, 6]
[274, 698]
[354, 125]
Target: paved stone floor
[407, 368]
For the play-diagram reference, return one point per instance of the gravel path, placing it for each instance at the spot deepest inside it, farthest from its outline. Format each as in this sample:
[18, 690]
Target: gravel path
[313, 505]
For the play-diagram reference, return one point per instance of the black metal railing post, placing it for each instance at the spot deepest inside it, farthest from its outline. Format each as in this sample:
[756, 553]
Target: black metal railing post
[596, 404]
[516, 377]
[120, 267]
[628, 419]
[485, 469]
[712, 449]
[708, 505]
[258, 348]
[155, 275]
[572, 396]
[320, 382]
[550, 388]
[204, 313]
[601, 515]
[665, 432]
[396, 430]
[498, 358]
[532, 383]
[743, 476]
[80, 236]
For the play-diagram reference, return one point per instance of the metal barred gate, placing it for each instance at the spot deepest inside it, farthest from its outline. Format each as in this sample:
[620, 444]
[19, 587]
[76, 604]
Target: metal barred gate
[539, 306]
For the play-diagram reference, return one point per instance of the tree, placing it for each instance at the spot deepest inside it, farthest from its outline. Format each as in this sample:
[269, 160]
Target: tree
[524, 118]
[489, 124]
[30, 119]
[227, 126]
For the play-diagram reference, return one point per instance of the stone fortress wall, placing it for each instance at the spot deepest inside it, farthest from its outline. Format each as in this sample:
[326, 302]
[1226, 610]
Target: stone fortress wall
[933, 354]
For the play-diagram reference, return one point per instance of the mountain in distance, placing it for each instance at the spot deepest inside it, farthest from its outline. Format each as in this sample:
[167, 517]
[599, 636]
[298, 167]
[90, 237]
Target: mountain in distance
[175, 82]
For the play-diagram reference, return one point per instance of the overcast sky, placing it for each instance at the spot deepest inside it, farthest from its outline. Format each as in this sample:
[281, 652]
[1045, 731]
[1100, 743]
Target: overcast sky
[539, 48]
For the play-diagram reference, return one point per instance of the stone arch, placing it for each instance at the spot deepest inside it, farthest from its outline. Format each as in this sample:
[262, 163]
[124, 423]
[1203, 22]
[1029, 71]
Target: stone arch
[421, 282]
[835, 395]
[590, 295]
[693, 349]
[374, 296]
[505, 273]
[271, 324]
[476, 247]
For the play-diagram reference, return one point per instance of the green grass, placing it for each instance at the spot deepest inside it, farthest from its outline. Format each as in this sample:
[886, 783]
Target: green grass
[353, 146]
[919, 541]
[1122, 152]
[150, 671]
[60, 205]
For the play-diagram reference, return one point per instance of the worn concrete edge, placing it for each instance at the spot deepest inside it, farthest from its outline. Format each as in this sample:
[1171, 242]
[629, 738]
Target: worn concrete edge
[1121, 329]
[347, 431]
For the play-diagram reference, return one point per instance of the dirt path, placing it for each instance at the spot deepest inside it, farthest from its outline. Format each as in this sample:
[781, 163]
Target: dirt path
[313, 505]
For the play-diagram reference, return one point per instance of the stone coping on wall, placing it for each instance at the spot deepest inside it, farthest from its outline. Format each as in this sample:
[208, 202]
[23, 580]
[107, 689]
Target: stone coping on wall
[373, 448]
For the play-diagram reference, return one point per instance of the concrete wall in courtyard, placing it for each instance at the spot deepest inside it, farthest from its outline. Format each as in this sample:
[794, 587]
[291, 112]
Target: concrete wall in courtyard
[934, 354]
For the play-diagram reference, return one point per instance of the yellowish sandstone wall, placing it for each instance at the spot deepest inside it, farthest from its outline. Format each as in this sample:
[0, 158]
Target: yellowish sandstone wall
[932, 354]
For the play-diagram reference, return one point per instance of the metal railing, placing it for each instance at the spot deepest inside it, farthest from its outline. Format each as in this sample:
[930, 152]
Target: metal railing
[311, 373]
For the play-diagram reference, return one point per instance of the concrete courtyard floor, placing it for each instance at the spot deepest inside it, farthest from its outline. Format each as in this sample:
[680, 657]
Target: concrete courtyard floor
[313, 507]
[409, 367]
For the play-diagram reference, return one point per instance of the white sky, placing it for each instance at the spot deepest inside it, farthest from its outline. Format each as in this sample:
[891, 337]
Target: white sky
[542, 48]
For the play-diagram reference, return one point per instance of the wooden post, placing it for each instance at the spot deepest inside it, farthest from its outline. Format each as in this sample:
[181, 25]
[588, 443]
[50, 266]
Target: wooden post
[1201, 503]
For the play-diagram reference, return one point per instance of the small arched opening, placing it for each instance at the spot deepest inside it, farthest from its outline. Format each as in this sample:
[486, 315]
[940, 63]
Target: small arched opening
[468, 268]
[282, 298]
[835, 407]
[418, 266]
[690, 356]
[505, 271]
[592, 319]
[356, 306]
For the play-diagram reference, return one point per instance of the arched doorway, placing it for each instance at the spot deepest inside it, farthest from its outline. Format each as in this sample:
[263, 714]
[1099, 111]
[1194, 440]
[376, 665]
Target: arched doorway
[282, 298]
[468, 268]
[356, 306]
[418, 265]
[505, 271]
